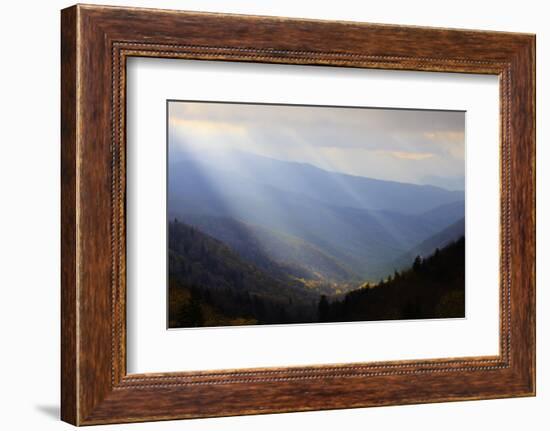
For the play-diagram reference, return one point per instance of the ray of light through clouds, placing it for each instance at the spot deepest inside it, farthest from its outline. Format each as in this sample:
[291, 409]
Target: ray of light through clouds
[413, 146]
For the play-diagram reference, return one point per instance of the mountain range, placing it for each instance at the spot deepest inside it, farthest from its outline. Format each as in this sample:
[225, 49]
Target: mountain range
[301, 221]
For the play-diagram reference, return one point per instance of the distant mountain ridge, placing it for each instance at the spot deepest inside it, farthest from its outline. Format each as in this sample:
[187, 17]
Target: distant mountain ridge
[297, 219]
[437, 241]
[326, 186]
[446, 214]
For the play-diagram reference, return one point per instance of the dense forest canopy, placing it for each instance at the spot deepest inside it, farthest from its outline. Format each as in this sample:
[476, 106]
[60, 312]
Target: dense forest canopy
[211, 285]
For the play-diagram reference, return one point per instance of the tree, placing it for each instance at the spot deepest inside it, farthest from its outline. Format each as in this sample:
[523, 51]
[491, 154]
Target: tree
[190, 313]
[323, 309]
[195, 310]
[417, 263]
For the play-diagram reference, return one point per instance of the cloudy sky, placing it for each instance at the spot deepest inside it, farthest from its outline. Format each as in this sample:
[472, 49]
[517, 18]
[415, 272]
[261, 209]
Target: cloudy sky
[422, 147]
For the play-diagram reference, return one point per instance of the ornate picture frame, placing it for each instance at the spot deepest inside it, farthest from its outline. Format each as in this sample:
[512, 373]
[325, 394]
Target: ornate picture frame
[96, 41]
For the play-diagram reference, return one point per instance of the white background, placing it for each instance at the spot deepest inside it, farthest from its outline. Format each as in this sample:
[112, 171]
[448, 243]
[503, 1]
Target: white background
[29, 226]
[151, 348]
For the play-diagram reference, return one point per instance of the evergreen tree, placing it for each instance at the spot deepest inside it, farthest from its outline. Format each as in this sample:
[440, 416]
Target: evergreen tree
[323, 309]
[417, 263]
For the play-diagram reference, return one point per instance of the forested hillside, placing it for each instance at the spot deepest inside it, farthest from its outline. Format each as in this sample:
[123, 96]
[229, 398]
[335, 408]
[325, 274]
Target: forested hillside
[211, 285]
[275, 252]
[432, 288]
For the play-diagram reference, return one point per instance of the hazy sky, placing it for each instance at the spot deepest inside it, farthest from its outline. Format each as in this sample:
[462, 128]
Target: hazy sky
[423, 147]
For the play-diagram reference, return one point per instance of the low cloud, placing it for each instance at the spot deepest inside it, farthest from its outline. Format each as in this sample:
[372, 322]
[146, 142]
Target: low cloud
[411, 156]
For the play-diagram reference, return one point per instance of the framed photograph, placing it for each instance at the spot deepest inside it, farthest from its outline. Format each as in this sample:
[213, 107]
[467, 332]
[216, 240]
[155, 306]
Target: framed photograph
[272, 218]
[265, 215]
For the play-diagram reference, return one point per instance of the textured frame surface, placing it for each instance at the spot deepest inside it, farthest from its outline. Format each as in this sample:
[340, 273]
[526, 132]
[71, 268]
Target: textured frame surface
[96, 41]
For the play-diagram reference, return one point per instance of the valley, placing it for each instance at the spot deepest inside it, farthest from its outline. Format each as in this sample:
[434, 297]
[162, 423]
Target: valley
[262, 241]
